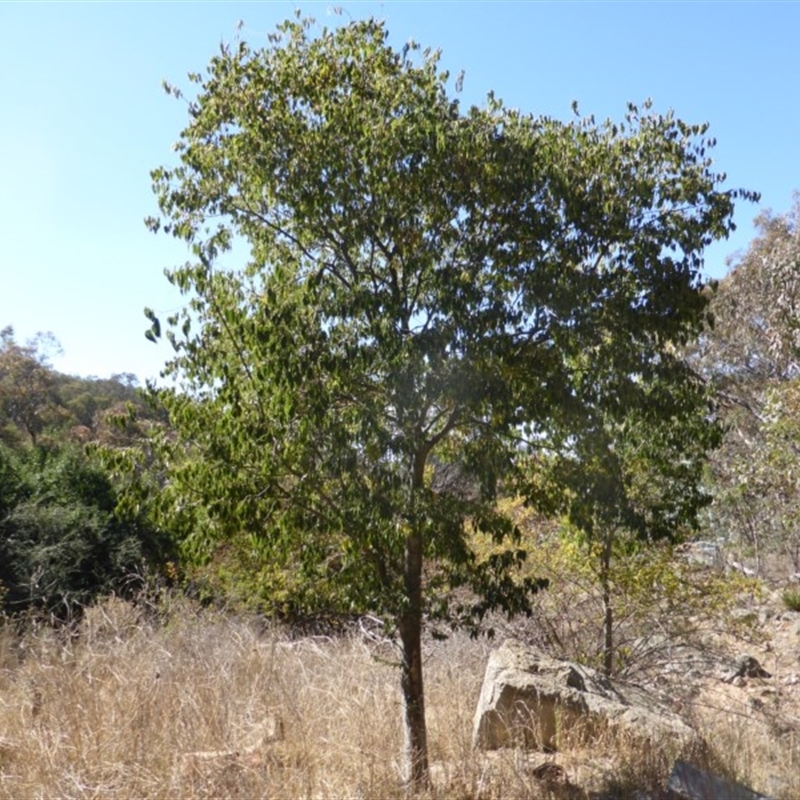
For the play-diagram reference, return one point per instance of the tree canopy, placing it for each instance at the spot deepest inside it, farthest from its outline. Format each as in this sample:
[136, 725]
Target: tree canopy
[425, 285]
[28, 399]
[751, 360]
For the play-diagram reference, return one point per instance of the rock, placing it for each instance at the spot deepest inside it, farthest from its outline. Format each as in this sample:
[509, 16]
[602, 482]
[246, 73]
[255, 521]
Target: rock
[687, 782]
[744, 616]
[201, 766]
[747, 666]
[532, 700]
[550, 773]
[737, 566]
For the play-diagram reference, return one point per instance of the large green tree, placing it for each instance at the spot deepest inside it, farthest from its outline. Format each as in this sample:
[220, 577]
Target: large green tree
[420, 281]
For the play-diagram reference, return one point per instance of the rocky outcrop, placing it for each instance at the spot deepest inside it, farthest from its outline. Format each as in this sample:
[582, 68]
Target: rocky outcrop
[531, 700]
[687, 782]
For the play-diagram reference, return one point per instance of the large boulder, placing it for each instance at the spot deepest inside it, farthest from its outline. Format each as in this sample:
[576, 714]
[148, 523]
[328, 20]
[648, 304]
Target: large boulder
[534, 701]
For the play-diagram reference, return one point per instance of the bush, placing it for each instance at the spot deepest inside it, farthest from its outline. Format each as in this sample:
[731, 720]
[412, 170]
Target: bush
[791, 599]
[666, 608]
[61, 542]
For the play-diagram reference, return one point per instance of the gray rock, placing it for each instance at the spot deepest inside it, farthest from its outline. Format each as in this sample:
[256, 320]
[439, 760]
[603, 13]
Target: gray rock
[687, 782]
[747, 666]
[745, 616]
[534, 701]
[704, 553]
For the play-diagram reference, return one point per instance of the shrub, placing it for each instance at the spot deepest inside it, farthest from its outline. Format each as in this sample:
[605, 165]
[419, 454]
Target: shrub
[61, 542]
[791, 599]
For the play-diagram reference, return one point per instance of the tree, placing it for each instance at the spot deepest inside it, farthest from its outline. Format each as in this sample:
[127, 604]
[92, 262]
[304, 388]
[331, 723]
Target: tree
[27, 387]
[630, 478]
[420, 283]
[756, 336]
[750, 358]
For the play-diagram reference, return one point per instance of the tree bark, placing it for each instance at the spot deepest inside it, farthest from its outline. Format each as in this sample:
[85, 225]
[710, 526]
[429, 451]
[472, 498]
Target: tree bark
[415, 747]
[417, 772]
[608, 610]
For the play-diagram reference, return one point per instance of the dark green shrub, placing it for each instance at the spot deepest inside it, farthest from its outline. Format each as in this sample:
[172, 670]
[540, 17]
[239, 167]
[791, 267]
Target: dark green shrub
[61, 542]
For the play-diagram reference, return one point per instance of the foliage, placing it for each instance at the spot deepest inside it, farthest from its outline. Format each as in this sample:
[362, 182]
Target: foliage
[420, 285]
[642, 472]
[237, 576]
[61, 544]
[666, 606]
[625, 482]
[791, 599]
[61, 541]
[27, 390]
[750, 358]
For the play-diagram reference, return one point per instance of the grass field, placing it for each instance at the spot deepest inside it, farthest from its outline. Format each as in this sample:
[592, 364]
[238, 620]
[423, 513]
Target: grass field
[200, 704]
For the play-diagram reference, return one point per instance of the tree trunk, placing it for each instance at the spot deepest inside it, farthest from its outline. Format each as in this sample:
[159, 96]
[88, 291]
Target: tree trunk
[608, 611]
[415, 752]
[415, 744]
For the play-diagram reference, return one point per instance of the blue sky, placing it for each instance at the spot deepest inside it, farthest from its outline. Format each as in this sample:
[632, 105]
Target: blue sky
[83, 120]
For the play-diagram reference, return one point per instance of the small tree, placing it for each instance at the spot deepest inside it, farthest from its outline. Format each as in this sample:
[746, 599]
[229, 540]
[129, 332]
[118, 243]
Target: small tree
[420, 280]
[624, 482]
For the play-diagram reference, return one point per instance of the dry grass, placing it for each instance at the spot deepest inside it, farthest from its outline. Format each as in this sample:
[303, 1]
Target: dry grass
[212, 706]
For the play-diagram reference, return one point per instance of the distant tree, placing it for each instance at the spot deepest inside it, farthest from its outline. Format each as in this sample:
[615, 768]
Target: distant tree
[421, 282]
[755, 340]
[27, 387]
[126, 379]
[35, 398]
[752, 359]
[88, 398]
